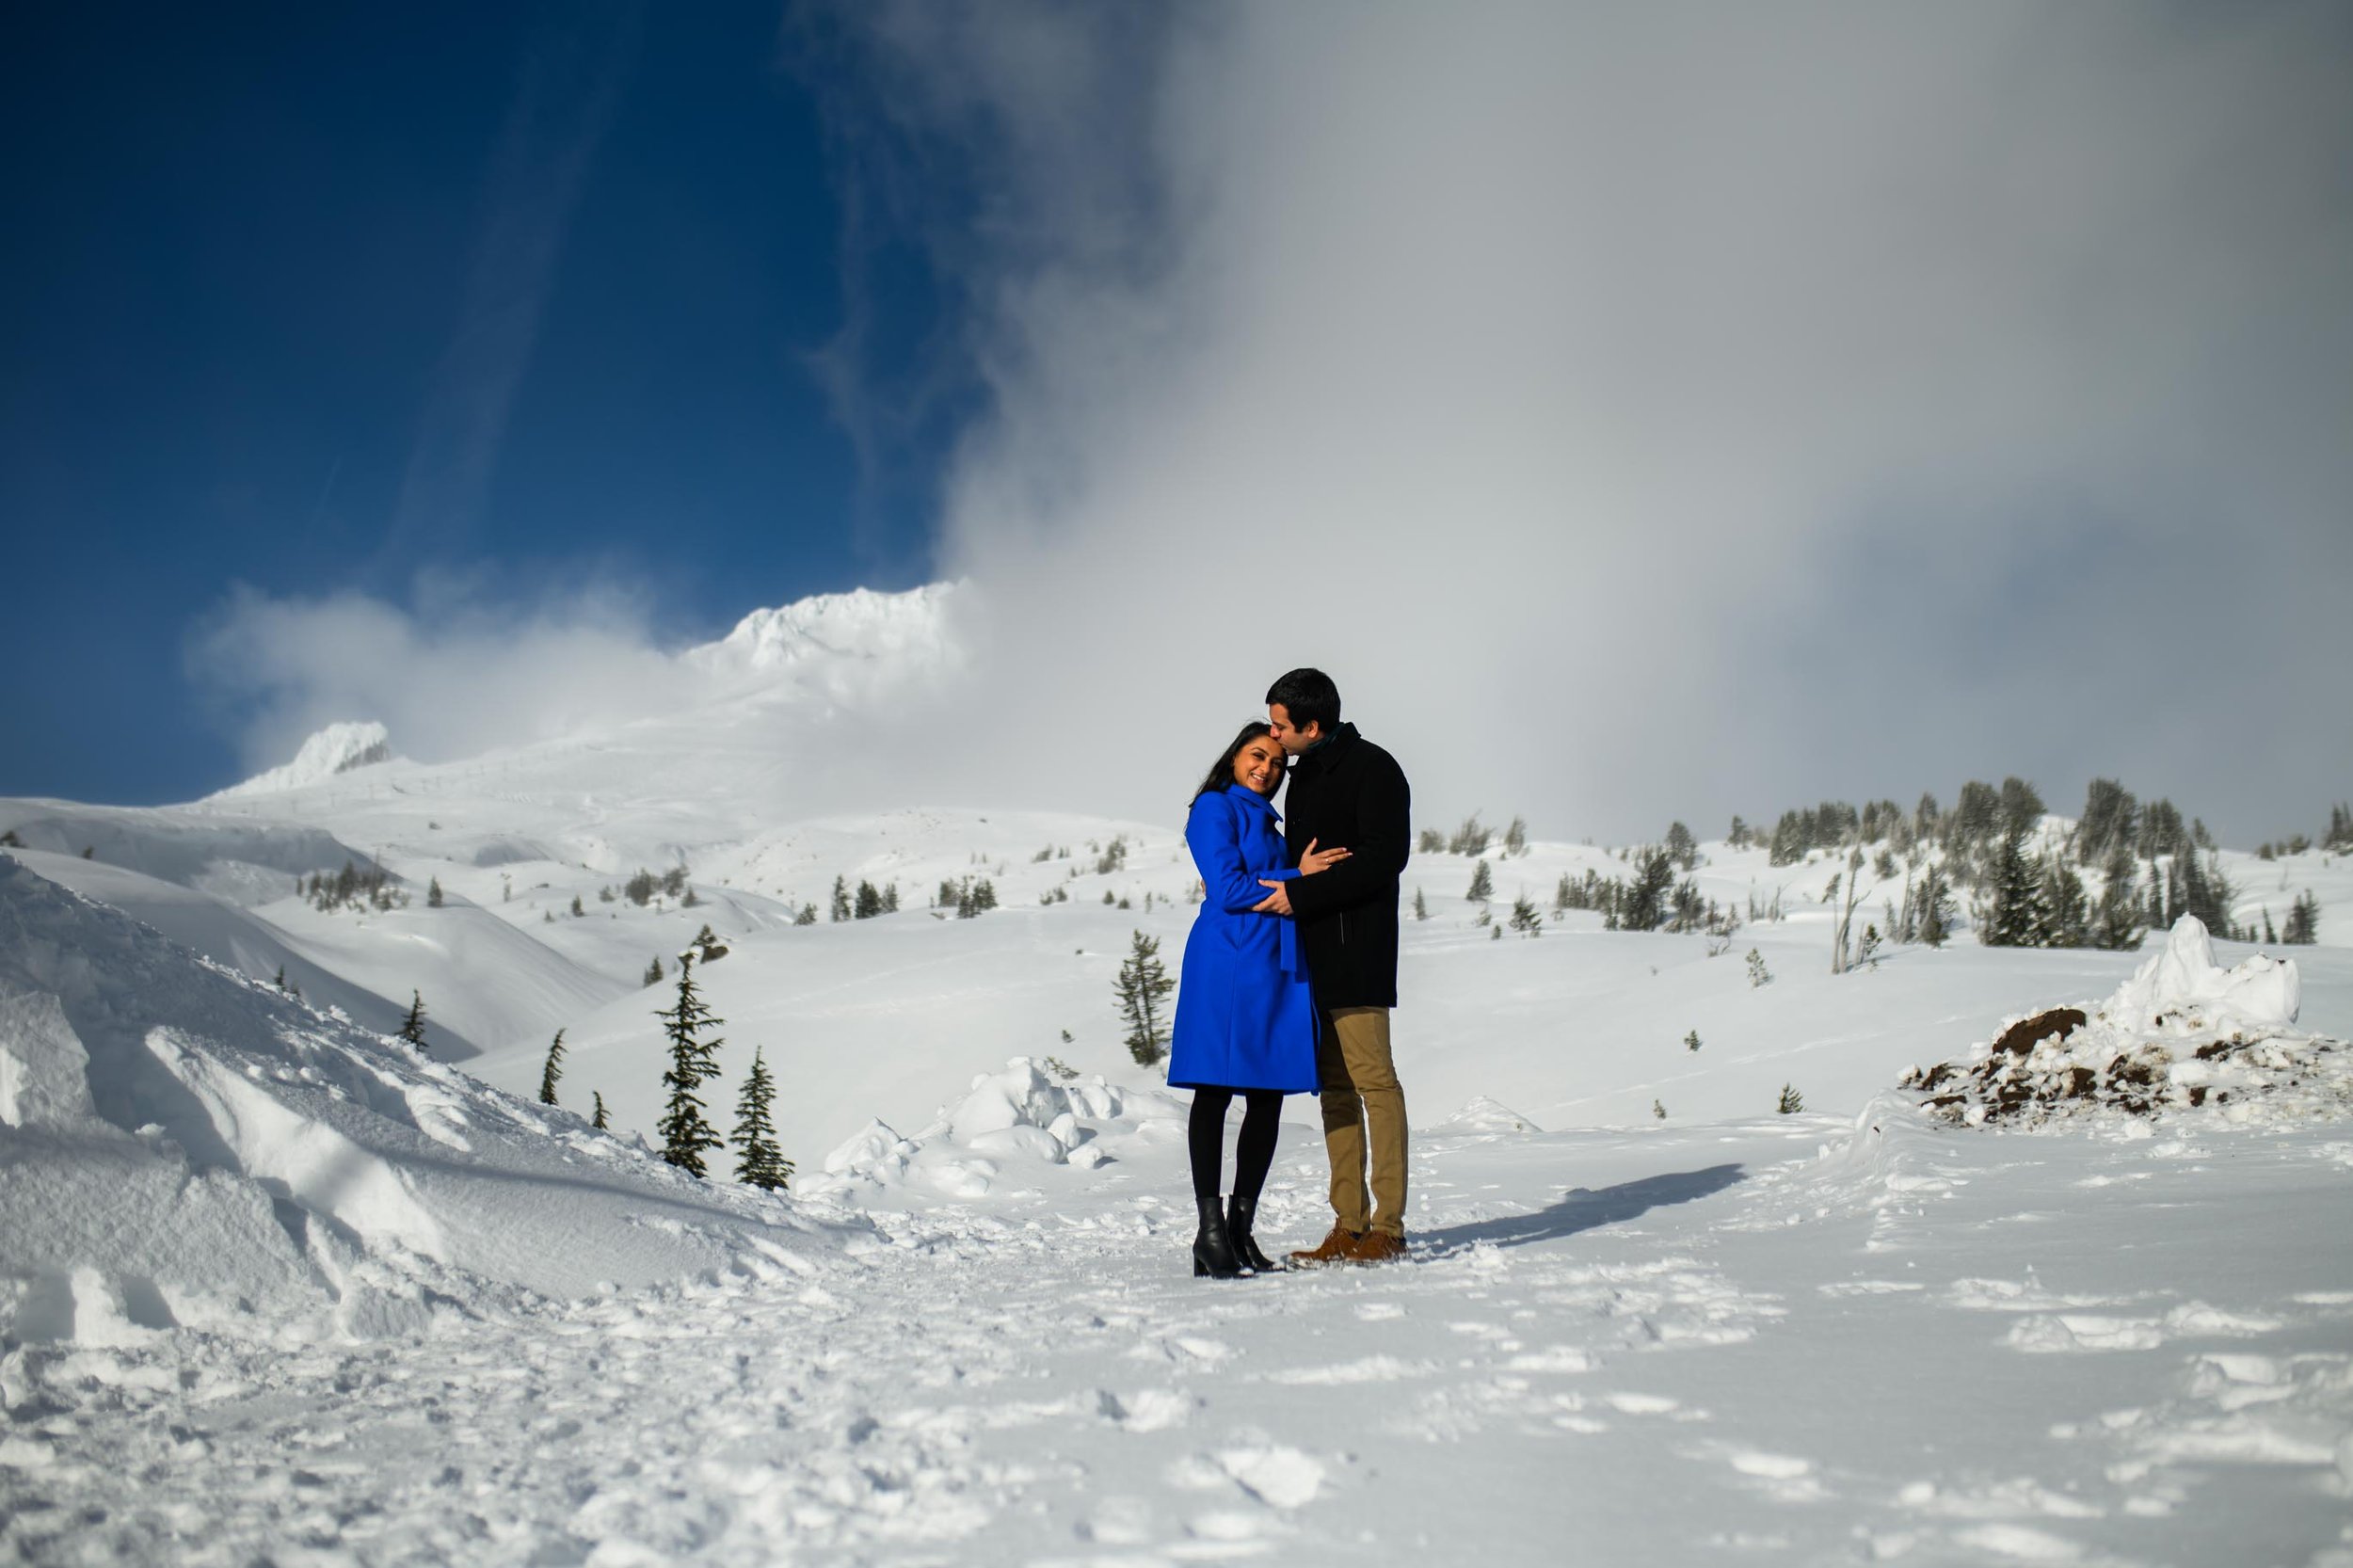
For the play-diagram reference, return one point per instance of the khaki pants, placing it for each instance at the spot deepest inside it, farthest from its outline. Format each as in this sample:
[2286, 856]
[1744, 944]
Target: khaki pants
[1361, 1095]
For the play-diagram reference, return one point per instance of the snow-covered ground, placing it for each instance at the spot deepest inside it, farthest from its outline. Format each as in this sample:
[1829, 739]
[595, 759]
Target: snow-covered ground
[275, 1289]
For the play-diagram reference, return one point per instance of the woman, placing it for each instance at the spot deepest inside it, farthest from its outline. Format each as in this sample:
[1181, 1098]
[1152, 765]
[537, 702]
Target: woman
[1245, 1021]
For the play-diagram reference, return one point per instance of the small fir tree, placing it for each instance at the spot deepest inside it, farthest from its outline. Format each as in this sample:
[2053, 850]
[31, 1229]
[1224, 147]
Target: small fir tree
[758, 1163]
[1691, 1041]
[1143, 984]
[1516, 838]
[1682, 847]
[693, 1060]
[1482, 886]
[433, 894]
[553, 1071]
[1524, 918]
[2015, 918]
[808, 915]
[2303, 922]
[577, 909]
[1758, 973]
[1658, 1109]
[1791, 1101]
[653, 971]
[841, 900]
[412, 1026]
[600, 1121]
[869, 904]
[1421, 905]
[1936, 908]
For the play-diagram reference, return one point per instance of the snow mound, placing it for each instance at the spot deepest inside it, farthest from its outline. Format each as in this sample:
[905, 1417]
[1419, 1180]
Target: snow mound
[2182, 1034]
[1481, 1114]
[180, 1146]
[1018, 1114]
[336, 749]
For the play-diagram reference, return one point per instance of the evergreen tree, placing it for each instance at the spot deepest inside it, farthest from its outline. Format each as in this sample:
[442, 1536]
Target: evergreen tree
[412, 1026]
[1421, 905]
[1758, 973]
[433, 894]
[2303, 923]
[577, 910]
[2116, 923]
[553, 1071]
[2110, 816]
[693, 1060]
[760, 1163]
[600, 1121]
[2340, 837]
[1515, 837]
[1524, 918]
[870, 902]
[1482, 886]
[841, 900]
[1682, 846]
[2066, 912]
[1646, 902]
[653, 971]
[1141, 984]
[1791, 1101]
[890, 900]
[808, 915]
[1691, 1041]
[2015, 918]
[280, 981]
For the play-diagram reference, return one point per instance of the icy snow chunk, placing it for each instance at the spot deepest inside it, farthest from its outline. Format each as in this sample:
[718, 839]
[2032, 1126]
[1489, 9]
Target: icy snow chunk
[45, 1072]
[2183, 983]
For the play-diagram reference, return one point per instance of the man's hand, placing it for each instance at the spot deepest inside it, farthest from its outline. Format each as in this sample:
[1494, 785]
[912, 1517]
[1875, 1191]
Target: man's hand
[1276, 902]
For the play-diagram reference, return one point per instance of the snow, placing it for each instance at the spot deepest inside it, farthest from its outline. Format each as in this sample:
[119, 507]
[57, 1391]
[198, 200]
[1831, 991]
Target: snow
[275, 1288]
[338, 749]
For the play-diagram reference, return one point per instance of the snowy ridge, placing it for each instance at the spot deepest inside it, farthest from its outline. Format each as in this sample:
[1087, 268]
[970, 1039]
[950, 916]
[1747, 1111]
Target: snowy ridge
[185, 1147]
[844, 646]
[338, 749]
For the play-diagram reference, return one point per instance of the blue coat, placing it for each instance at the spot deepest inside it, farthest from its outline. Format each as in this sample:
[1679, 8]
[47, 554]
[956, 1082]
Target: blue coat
[1245, 1018]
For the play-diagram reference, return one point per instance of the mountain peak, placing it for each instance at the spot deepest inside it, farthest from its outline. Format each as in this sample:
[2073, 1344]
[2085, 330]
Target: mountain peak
[338, 749]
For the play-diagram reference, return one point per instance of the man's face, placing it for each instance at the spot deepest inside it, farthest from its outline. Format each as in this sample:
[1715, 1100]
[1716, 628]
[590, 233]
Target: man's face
[1294, 740]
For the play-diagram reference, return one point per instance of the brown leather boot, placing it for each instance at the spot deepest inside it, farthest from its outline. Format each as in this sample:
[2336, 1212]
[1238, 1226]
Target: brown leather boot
[1377, 1247]
[1338, 1247]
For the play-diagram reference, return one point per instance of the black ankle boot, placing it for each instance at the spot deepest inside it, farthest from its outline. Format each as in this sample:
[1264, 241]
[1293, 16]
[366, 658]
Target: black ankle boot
[1239, 1216]
[1212, 1249]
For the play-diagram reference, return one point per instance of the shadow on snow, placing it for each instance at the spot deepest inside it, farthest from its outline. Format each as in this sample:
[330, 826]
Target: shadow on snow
[1581, 1210]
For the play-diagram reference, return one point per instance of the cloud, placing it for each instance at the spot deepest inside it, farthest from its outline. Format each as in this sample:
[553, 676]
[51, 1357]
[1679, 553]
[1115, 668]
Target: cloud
[473, 675]
[1659, 410]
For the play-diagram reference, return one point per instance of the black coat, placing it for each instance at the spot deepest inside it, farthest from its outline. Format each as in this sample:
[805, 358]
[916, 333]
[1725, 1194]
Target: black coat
[1349, 794]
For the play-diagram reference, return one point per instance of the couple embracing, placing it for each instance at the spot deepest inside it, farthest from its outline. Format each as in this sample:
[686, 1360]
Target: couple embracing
[1290, 974]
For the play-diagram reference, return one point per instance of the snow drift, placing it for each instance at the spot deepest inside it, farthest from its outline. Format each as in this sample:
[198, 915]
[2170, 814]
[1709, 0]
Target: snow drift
[2182, 1033]
[180, 1146]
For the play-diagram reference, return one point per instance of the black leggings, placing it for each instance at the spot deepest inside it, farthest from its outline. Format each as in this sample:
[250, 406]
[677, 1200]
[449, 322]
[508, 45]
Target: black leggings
[1254, 1151]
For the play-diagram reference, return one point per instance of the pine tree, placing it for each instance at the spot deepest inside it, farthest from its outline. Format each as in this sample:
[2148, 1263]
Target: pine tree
[433, 894]
[760, 1163]
[2015, 919]
[280, 981]
[553, 1071]
[1691, 1041]
[693, 1060]
[1645, 905]
[1791, 1101]
[653, 971]
[1758, 973]
[412, 1026]
[869, 904]
[2303, 923]
[600, 1121]
[1658, 1108]
[1682, 847]
[1482, 887]
[2066, 912]
[808, 915]
[1141, 984]
[841, 900]
[1421, 905]
[1524, 918]
[577, 910]
[1515, 837]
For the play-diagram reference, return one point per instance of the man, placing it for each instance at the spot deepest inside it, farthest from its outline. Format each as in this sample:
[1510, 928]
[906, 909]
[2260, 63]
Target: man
[1347, 792]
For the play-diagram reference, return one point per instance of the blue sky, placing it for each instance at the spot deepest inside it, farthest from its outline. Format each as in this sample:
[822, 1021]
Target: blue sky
[313, 298]
[1675, 410]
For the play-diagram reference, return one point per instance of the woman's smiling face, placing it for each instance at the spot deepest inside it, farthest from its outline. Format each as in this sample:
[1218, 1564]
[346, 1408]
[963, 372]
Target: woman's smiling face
[1259, 765]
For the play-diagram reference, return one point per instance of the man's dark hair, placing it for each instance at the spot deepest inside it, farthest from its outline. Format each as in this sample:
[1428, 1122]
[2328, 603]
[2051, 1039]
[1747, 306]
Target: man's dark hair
[1309, 698]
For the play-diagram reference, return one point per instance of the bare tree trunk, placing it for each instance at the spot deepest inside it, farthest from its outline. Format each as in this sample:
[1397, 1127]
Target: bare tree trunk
[1838, 964]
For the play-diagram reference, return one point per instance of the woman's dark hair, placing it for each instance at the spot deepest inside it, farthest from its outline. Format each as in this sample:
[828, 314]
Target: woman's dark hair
[1222, 770]
[1306, 696]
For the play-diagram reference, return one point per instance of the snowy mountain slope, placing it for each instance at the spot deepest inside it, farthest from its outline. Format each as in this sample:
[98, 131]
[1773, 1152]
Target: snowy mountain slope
[241, 859]
[183, 1147]
[336, 749]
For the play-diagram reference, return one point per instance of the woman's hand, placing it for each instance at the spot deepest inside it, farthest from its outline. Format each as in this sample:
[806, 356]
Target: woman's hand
[1319, 859]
